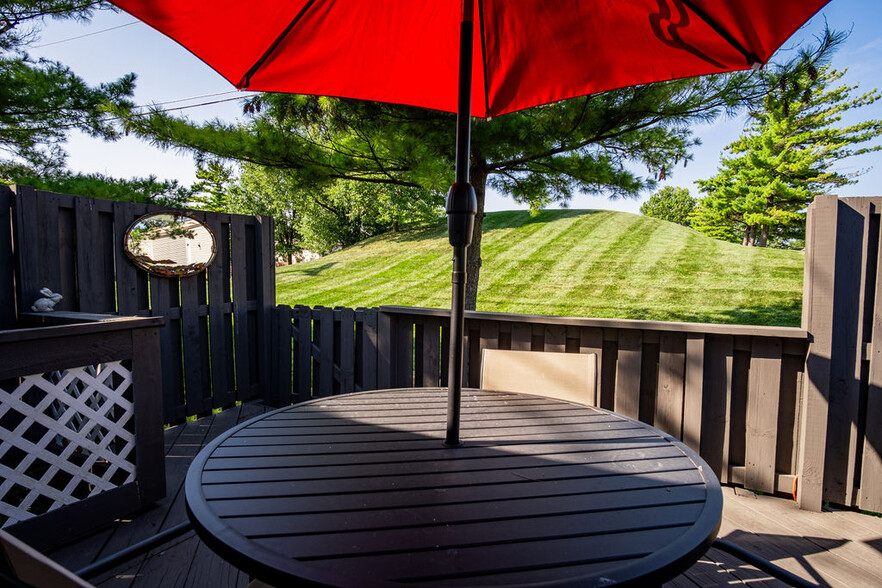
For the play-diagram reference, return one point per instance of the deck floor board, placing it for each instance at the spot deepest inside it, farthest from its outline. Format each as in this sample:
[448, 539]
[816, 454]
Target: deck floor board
[839, 548]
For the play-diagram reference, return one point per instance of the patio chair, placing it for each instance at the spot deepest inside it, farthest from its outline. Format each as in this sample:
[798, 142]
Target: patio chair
[564, 376]
[22, 565]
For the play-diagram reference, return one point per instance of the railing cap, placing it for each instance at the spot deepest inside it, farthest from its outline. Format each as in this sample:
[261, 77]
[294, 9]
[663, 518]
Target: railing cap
[680, 327]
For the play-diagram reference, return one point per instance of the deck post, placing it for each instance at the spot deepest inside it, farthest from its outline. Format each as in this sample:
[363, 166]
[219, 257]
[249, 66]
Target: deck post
[817, 319]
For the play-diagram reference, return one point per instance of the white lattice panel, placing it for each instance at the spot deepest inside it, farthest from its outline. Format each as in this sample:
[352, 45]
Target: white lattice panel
[64, 436]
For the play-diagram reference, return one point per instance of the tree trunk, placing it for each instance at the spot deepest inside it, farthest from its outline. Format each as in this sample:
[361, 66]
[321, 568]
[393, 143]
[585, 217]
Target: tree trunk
[750, 236]
[764, 237]
[478, 179]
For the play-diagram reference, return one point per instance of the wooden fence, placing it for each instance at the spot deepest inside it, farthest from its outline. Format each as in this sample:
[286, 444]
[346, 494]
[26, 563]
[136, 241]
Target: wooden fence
[842, 311]
[215, 342]
[730, 392]
[761, 404]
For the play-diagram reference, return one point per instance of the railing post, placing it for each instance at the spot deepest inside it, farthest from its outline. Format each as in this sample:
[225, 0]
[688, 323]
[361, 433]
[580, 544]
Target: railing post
[817, 319]
[7, 261]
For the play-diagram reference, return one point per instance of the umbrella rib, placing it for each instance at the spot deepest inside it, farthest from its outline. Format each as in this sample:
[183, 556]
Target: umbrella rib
[246, 79]
[749, 56]
[484, 57]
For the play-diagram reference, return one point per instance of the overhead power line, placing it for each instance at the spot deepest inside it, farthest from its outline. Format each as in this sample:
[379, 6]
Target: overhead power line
[152, 108]
[128, 24]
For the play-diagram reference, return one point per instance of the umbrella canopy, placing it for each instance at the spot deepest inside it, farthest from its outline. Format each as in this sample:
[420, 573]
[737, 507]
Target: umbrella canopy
[515, 54]
[527, 52]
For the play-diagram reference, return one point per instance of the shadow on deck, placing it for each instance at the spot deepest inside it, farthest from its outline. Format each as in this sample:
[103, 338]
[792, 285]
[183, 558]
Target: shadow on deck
[838, 548]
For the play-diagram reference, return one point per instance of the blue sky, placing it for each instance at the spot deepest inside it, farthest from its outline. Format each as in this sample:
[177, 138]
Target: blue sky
[115, 44]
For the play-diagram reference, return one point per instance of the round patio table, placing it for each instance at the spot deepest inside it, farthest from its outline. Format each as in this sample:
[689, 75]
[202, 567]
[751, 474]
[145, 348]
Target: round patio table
[359, 490]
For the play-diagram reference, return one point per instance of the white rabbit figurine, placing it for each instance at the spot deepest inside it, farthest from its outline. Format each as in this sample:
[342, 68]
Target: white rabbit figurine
[49, 300]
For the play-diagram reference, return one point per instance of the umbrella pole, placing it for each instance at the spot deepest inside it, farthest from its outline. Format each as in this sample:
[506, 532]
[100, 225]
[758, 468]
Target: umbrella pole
[462, 205]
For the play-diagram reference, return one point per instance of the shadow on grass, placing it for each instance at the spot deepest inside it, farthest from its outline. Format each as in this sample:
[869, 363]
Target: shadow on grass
[433, 230]
[313, 270]
[785, 314]
[508, 219]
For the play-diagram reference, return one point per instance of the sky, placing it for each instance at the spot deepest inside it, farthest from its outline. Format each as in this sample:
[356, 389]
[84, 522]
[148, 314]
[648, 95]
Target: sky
[114, 44]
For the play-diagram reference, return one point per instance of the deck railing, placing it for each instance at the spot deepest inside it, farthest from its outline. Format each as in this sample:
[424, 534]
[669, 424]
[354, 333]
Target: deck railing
[80, 424]
[730, 392]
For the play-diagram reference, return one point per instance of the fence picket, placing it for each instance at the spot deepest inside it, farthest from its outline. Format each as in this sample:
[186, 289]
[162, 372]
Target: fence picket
[693, 391]
[762, 414]
[366, 349]
[302, 334]
[591, 341]
[627, 398]
[132, 296]
[402, 354]
[870, 495]
[282, 343]
[7, 264]
[716, 404]
[323, 352]
[345, 354]
[671, 379]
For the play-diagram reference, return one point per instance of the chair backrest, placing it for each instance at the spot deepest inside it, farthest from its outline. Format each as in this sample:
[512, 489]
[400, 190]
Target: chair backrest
[566, 376]
[29, 567]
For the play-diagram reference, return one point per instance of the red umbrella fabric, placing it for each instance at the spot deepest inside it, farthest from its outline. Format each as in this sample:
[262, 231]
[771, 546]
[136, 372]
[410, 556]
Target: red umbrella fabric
[511, 54]
[527, 52]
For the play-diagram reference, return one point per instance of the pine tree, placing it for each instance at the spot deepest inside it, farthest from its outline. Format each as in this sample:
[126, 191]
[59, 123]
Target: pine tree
[784, 159]
[41, 100]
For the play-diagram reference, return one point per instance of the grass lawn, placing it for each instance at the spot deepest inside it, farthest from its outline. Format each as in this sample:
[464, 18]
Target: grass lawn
[565, 262]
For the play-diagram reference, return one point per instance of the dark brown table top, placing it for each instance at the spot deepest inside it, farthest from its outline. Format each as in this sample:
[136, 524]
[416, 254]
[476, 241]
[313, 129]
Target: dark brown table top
[358, 490]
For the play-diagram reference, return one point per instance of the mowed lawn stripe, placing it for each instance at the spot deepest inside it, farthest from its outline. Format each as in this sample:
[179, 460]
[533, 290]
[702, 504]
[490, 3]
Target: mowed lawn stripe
[537, 257]
[568, 263]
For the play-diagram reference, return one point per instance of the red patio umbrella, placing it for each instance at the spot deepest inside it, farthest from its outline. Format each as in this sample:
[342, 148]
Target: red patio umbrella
[512, 54]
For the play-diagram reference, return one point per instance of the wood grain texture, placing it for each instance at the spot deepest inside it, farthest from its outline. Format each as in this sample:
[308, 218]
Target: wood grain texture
[693, 395]
[716, 405]
[671, 380]
[870, 495]
[627, 391]
[817, 319]
[762, 414]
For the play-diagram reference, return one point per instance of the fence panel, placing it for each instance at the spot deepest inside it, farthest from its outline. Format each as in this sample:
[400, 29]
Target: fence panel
[216, 339]
[840, 404]
[324, 351]
[720, 388]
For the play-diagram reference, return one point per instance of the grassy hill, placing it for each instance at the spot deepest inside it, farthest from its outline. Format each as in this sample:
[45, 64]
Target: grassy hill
[565, 262]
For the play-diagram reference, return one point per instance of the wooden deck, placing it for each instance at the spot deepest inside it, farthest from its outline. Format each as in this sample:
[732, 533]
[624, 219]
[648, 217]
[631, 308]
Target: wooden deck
[837, 548]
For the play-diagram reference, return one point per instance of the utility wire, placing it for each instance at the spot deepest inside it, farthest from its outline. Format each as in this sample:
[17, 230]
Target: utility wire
[128, 24]
[116, 118]
[241, 95]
